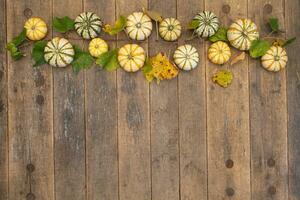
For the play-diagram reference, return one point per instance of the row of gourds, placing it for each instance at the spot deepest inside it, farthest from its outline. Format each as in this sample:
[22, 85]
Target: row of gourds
[59, 52]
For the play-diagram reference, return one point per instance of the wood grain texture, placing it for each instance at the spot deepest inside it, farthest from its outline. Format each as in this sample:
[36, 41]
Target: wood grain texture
[30, 112]
[69, 118]
[3, 106]
[292, 14]
[192, 113]
[133, 122]
[164, 118]
[228, 119]
[102, 120]
[268, 115]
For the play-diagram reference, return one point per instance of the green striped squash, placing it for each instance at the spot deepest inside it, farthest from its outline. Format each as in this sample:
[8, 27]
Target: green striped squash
[59, 52]
[186, 57]
[170, 29]
[208, 24]
[88, 25]
[138, 26]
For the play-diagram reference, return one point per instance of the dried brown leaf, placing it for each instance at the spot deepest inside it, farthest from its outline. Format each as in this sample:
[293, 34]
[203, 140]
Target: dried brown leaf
[238, 58]
[153, 15]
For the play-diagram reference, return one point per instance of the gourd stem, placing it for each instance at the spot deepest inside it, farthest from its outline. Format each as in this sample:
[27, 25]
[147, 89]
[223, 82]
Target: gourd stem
[156, 26]
[192, 37]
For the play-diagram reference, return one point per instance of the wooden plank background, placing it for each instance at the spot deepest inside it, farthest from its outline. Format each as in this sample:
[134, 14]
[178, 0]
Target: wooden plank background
[112, 136]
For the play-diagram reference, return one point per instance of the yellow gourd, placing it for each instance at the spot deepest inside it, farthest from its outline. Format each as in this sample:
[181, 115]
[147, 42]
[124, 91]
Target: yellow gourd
[36, 28]
[131, 57]
[219, 53]
[97, 47]
[275, 59]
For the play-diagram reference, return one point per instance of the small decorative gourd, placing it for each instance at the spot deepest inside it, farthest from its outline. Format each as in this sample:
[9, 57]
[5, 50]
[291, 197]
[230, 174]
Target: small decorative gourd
[36, 28]
[170, 29]
[275, 59]
[241, 33]
[59, 52]
[97, 47]
[186, 57]
[138, 26]
[219, 53]
[88, 25]
[131, 57]
[208, 24]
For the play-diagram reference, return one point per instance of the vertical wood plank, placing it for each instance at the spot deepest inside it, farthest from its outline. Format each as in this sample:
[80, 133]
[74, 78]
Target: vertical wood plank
[3, 106]
[268, 115]
[164, 118]
[228, 119]
[69, 118]
[30, 112]
[102, 121]
[292, 13]
[192, 113]
[133, 122]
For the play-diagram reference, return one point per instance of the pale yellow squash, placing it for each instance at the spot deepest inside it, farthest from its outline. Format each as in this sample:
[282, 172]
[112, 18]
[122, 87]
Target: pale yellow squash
[131, 57]
[36, 28]
[97, 47]
[275, 59]
[170, 29]
[219, 53]
[138, 26]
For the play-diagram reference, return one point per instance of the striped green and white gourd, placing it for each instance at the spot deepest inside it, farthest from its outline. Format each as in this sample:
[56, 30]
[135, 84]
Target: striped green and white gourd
[186, 57]
[138, 26]
[170, 29]
[208, 24]
[59, 52]
[88, 25]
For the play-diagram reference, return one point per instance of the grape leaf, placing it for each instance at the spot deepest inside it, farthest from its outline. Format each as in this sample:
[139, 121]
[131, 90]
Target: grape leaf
[259, 48]
[117, 27]
[223, 78]
[108, 60]
[220, 35]
[147, 67]
[288, 41]
[13, 45]
[82, 59]
[193, 24]
[153, 15]
[274, 24]
[63, 24]
[38, 53]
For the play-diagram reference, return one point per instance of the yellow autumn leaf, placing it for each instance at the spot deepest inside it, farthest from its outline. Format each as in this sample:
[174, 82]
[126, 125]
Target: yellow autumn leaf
[223, 78]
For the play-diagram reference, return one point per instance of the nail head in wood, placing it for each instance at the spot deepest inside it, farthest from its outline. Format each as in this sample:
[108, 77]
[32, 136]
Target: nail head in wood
[30, 196]
[271, 162]
[268, 8]
[27, 12]
[272, 190]
[30, 167]
[230, 192]
[226, 8]
[229, 163]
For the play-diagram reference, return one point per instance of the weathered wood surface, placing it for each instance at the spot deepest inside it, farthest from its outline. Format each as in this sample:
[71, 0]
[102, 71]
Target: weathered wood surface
[111, 136]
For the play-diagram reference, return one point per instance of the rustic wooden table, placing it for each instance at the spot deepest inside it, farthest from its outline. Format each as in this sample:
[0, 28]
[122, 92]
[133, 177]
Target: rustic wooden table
[109, 136]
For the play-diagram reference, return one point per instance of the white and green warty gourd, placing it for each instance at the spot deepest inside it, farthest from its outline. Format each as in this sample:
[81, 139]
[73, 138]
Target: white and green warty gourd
[186, 57]
[138, 26]
[88, 25]
[241, 33]
[59, 52]
[208, 24]
[170, 29]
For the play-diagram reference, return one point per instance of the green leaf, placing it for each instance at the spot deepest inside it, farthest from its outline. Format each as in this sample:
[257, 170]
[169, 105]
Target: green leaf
[220, 35]
[274, 24]
[289, 41]
[13, 45]
[147, 67]
[63, 24]
[108, 60]
[193, 24]
[38, 53]
[117, 27]
[82, 59]
[223, 78]
[259, 48]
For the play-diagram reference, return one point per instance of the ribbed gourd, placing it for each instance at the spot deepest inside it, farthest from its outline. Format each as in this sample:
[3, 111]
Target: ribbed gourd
[131, 57]
[219, 53]
[88, 25]
[59, 52]
[170, 29]
[97, 47]
[138, 26]
[208, 24]
[186, 57]
[241, 33]
[275, 59]
[36, 28]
